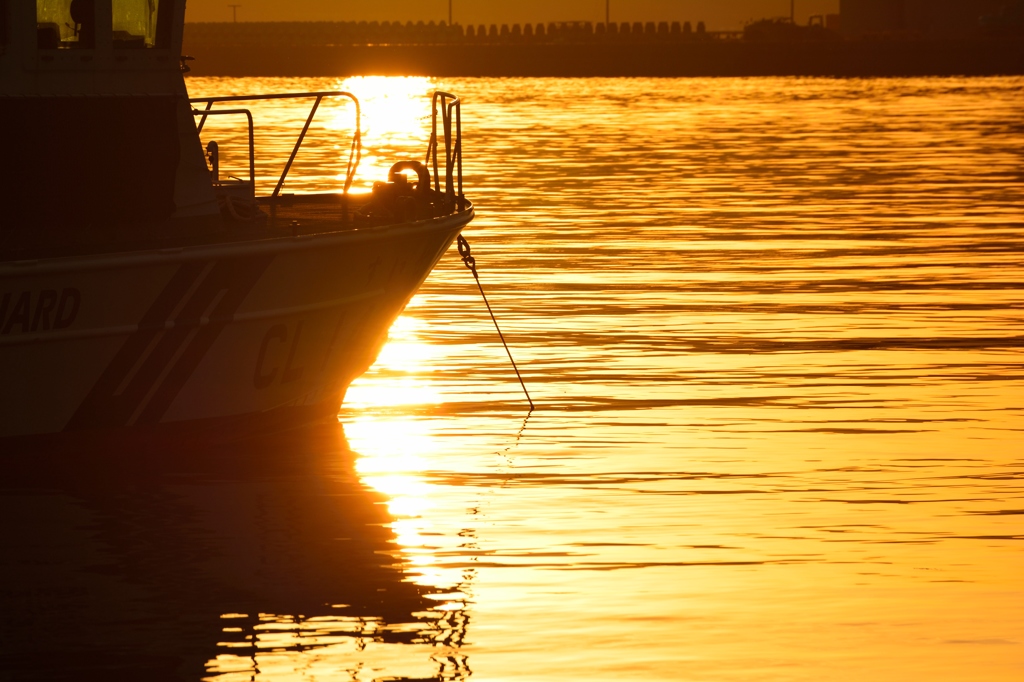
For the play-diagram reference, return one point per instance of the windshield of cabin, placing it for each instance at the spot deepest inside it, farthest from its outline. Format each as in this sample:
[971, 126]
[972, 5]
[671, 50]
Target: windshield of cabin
[57, 28]
[135, 23]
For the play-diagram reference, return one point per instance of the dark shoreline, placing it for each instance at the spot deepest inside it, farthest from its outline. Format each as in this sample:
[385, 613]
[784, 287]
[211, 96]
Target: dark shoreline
[881, 58]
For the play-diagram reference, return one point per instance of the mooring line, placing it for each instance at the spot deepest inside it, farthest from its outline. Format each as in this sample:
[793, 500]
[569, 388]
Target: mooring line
[470, 262]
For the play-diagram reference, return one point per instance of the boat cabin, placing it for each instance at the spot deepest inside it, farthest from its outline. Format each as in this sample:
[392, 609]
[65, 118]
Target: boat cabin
[100, 143]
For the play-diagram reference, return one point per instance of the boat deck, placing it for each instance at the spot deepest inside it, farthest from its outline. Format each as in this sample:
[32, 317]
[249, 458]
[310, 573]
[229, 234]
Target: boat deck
[312, 214]
[284, 216]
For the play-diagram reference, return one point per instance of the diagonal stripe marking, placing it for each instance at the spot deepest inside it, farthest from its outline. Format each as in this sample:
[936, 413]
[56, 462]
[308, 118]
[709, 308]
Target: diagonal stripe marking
[160, 335]
[174, 359]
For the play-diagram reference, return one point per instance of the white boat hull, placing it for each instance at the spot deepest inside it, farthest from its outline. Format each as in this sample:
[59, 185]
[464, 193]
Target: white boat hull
[204, 334]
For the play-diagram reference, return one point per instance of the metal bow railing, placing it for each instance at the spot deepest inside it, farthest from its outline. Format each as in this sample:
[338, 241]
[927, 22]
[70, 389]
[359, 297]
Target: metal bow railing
[355, 153]
[451, 114]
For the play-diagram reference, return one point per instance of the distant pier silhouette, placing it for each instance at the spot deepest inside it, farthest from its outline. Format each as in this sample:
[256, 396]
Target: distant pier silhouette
[581, 48]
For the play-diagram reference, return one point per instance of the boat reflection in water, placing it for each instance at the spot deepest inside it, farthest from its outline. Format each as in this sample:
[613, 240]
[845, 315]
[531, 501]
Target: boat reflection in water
[253, 558]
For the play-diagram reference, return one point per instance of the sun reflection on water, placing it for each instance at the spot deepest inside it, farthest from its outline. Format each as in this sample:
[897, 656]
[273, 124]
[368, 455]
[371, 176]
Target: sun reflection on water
[394, 453]
[395, 121]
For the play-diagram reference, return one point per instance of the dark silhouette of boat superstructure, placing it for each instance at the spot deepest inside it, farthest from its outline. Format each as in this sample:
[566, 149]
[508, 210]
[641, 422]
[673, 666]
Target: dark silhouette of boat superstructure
[138, 288]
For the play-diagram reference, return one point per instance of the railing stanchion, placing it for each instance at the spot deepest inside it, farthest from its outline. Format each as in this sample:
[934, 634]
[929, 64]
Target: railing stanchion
[252, 154]
[449, 154]
[298, 143]
[355, 153]
[202, 121]
[458, 151]
[433, 136]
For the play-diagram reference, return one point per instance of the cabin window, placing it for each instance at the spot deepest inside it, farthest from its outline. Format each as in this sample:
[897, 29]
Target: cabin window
[3, 23]
[139, 23]
[65, 24]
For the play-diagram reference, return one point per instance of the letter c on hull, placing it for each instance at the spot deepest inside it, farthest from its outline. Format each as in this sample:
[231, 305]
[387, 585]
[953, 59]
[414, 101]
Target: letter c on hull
[262, 379]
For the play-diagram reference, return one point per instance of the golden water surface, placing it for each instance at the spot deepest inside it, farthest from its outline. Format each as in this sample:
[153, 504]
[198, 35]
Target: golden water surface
[773, 329]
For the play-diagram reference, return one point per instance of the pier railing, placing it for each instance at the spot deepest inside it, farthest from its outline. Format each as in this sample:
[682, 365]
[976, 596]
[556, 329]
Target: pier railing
[355, 151]
[451, 127]
[254, 34]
